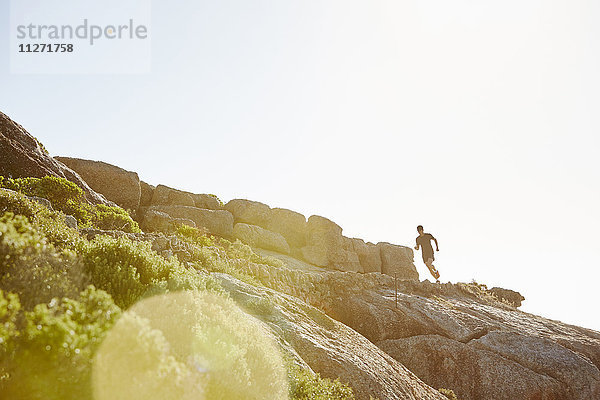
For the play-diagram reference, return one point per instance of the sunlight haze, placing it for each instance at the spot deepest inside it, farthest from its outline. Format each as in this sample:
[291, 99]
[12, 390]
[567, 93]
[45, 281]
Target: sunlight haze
[478, 120]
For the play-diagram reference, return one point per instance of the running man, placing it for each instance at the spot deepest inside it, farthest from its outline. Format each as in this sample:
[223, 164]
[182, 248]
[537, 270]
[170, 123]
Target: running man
[424, 241]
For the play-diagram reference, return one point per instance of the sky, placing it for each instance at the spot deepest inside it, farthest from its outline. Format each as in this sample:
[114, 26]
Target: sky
[476, 119]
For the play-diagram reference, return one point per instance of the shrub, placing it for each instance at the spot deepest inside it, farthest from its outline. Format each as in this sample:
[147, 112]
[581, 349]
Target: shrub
[305, 385]
[448, 393]
[52, 357]
[129, 270]
[67, 197]
[32, 267]
[9, 311]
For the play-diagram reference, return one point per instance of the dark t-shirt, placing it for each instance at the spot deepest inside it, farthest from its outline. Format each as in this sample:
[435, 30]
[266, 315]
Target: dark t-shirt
[425, 243]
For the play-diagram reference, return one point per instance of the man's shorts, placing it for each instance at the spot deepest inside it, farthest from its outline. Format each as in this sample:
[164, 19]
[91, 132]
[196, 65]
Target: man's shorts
[427, 256]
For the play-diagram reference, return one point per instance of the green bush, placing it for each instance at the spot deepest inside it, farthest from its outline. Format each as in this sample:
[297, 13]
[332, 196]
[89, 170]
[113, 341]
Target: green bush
[52, 356]
[128, 270]
[448, 393]
[31, 266]
[67, 197]
[9, 312]
[305, 385]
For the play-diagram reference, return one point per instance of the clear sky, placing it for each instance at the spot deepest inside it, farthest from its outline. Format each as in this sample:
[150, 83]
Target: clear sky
[477, 119]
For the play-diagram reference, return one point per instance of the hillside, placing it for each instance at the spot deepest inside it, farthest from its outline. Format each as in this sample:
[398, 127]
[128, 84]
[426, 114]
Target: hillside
[113, 288]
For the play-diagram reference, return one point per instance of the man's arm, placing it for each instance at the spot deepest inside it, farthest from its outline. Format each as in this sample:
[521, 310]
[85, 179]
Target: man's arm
[437, 248]
[417, 246]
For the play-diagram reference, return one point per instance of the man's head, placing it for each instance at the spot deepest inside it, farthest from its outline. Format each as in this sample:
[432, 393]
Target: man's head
[420, 229]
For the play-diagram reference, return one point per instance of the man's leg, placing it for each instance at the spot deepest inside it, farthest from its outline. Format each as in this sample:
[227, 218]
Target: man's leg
[434, 272]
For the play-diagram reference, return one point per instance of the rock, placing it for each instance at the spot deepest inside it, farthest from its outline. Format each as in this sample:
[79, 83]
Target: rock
[397, 260]
[157, 221]
[326, 247]
[514, 298]
[164, 195]
[580, 378]
[344, 260]
[207, 201]
[316, 255]
[70, 221]
[249, 212]
[116, 184]
[146, 193]
[24, 156]
[369, 255]
[256, 236]
[217, 222]
[290, 224]
[470, 372]
[40, 200]
[328, 347]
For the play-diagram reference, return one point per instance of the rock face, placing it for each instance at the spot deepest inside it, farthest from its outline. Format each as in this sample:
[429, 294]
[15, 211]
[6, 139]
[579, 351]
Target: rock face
[462, 338]
[397, 260]
[368, 254]
[290, 224]
[23, 156]
[157, 221]
[207, 201]
[328, 347]
[146, 194]
[326, 246]
[116, 184]
[515, 298]
[166, 196]
[256, 236]
[249, 212]
[218, 222]
[470, 372]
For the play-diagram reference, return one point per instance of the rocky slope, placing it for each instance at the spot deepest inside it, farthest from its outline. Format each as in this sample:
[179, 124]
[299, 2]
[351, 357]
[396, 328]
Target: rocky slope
[333, 301]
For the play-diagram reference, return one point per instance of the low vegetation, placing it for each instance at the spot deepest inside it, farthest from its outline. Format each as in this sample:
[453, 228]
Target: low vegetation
[61, 295]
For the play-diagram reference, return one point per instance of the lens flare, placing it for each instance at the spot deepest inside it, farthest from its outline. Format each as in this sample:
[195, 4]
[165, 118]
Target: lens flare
[188, 345]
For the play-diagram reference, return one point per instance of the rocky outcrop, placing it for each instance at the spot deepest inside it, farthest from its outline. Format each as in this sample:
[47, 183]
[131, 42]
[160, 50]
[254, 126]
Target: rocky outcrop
[249, 212]
[470, 372]
[290, 224]
[217, 222]
[23, 156]
[461, 337]
[397, 260]
[146, 193]
[207, 201]
[164, 195]
[510, 296]
[368, 254]
[157, 221]
[116, 184]
[325, 246]
[256, 236]
[328, 347]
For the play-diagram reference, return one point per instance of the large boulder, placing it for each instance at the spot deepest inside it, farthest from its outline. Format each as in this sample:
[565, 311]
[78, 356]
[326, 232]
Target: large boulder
[22, 156]
[397, 260]
[115, 183]
[164, 195]
[579, 377]
[208, 201]
[217, 222]
[470, 372]
[326, 247]
[327, 346]
[368, 254]
[157, 221]
[256, 236]
[290, 224]
[146, 194]
[510, 296]
[249, 212]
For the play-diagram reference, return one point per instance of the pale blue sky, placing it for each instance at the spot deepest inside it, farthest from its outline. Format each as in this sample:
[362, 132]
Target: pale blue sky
[477, 119]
